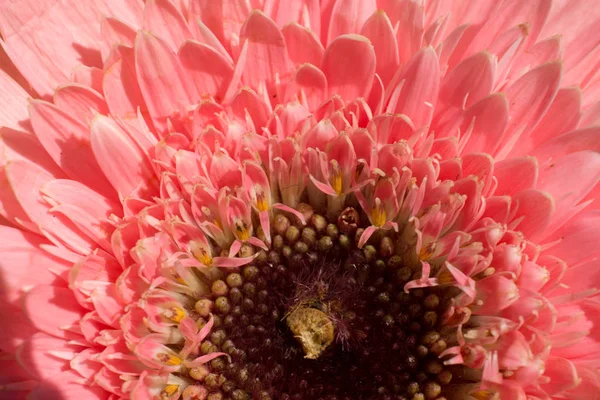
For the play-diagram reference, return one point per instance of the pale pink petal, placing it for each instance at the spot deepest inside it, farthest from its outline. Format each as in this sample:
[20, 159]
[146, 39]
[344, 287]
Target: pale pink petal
[516, 174]
[562, 116]
[67, 141]
[13, 103]
[43, 355]
[469, 81]
[577, 140]
[19, 145]
[378, 29]
[25, 265]
[419, 93]
[35, 32]
[529, 98]
[207, 69]
[161, 77]
[52, 310]
[80, 102]
[312, 83]
[536, 208]
[569, 179]
[576, 241]
[120, 85]
[348, 16]
[302, 45]
[349, 65]
[489, 118]
[265, 42]
[163, 19]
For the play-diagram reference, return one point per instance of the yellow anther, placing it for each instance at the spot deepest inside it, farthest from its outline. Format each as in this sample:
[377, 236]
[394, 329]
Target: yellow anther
[445, 277]
[482, 395]
[261, 202]
[169, 359]
[427, 251]
[242, 230]
[170, 390]
[175, 314]
[336, 178]
[203, 256]
[378, 215]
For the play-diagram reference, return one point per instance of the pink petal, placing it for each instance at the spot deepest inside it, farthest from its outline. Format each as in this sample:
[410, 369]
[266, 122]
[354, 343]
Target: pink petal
[562, 374]
[52, 310]
[512, 13]
[420, 90]
[409, 16]
[88, 210]
[313, 83]
[115, 31]
[164, 20]
[224, 19]
[530, 97]
[161, 77]
[67, 141]
[349, 65]
[577, 239]
[19, 145]
[489, 117]
[13, 103]
[577, 140]
[207, 68]
[469, 81]
[122, 161]
[120, 85]
[267, 56]
[25, 264]
[348, 16]
[569, 179]
[378, 29]
[562, 116]
[516, 174]
[43, 355]
[66, 386]
[43, 50]
[17, 332]
[302, 45]
[536, 208]
[80, 102]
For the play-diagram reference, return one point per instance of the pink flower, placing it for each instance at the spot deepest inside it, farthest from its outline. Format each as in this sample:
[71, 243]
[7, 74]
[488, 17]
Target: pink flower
[336, 199]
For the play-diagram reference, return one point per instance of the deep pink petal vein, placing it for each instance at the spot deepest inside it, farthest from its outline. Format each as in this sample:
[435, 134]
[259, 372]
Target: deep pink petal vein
[300, 200]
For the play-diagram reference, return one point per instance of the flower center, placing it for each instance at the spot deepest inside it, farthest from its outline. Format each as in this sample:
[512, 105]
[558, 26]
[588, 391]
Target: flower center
[315, 317]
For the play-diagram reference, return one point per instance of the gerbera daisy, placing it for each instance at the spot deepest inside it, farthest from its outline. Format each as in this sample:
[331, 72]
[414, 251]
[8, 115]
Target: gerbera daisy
[287, 200]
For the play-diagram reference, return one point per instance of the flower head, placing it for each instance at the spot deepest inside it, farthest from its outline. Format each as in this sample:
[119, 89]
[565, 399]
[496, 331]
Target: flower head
[299, 200]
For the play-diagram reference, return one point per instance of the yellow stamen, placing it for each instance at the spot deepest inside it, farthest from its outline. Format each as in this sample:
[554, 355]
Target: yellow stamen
[169, 359]
[482, 395]
[378, 215]
[202, 255]
[171, 389]
[211, 216]
[242, 230]
[261, 202]
[427, 251]
[336, 178]
[175, 314]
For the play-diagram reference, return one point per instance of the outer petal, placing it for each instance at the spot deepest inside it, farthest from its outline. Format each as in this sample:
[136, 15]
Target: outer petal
[420, 89]
[68, 143]
[13, 103]
[349, 65]
[44, 51]
[161, 77]
[121, 160]
[52, 310]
